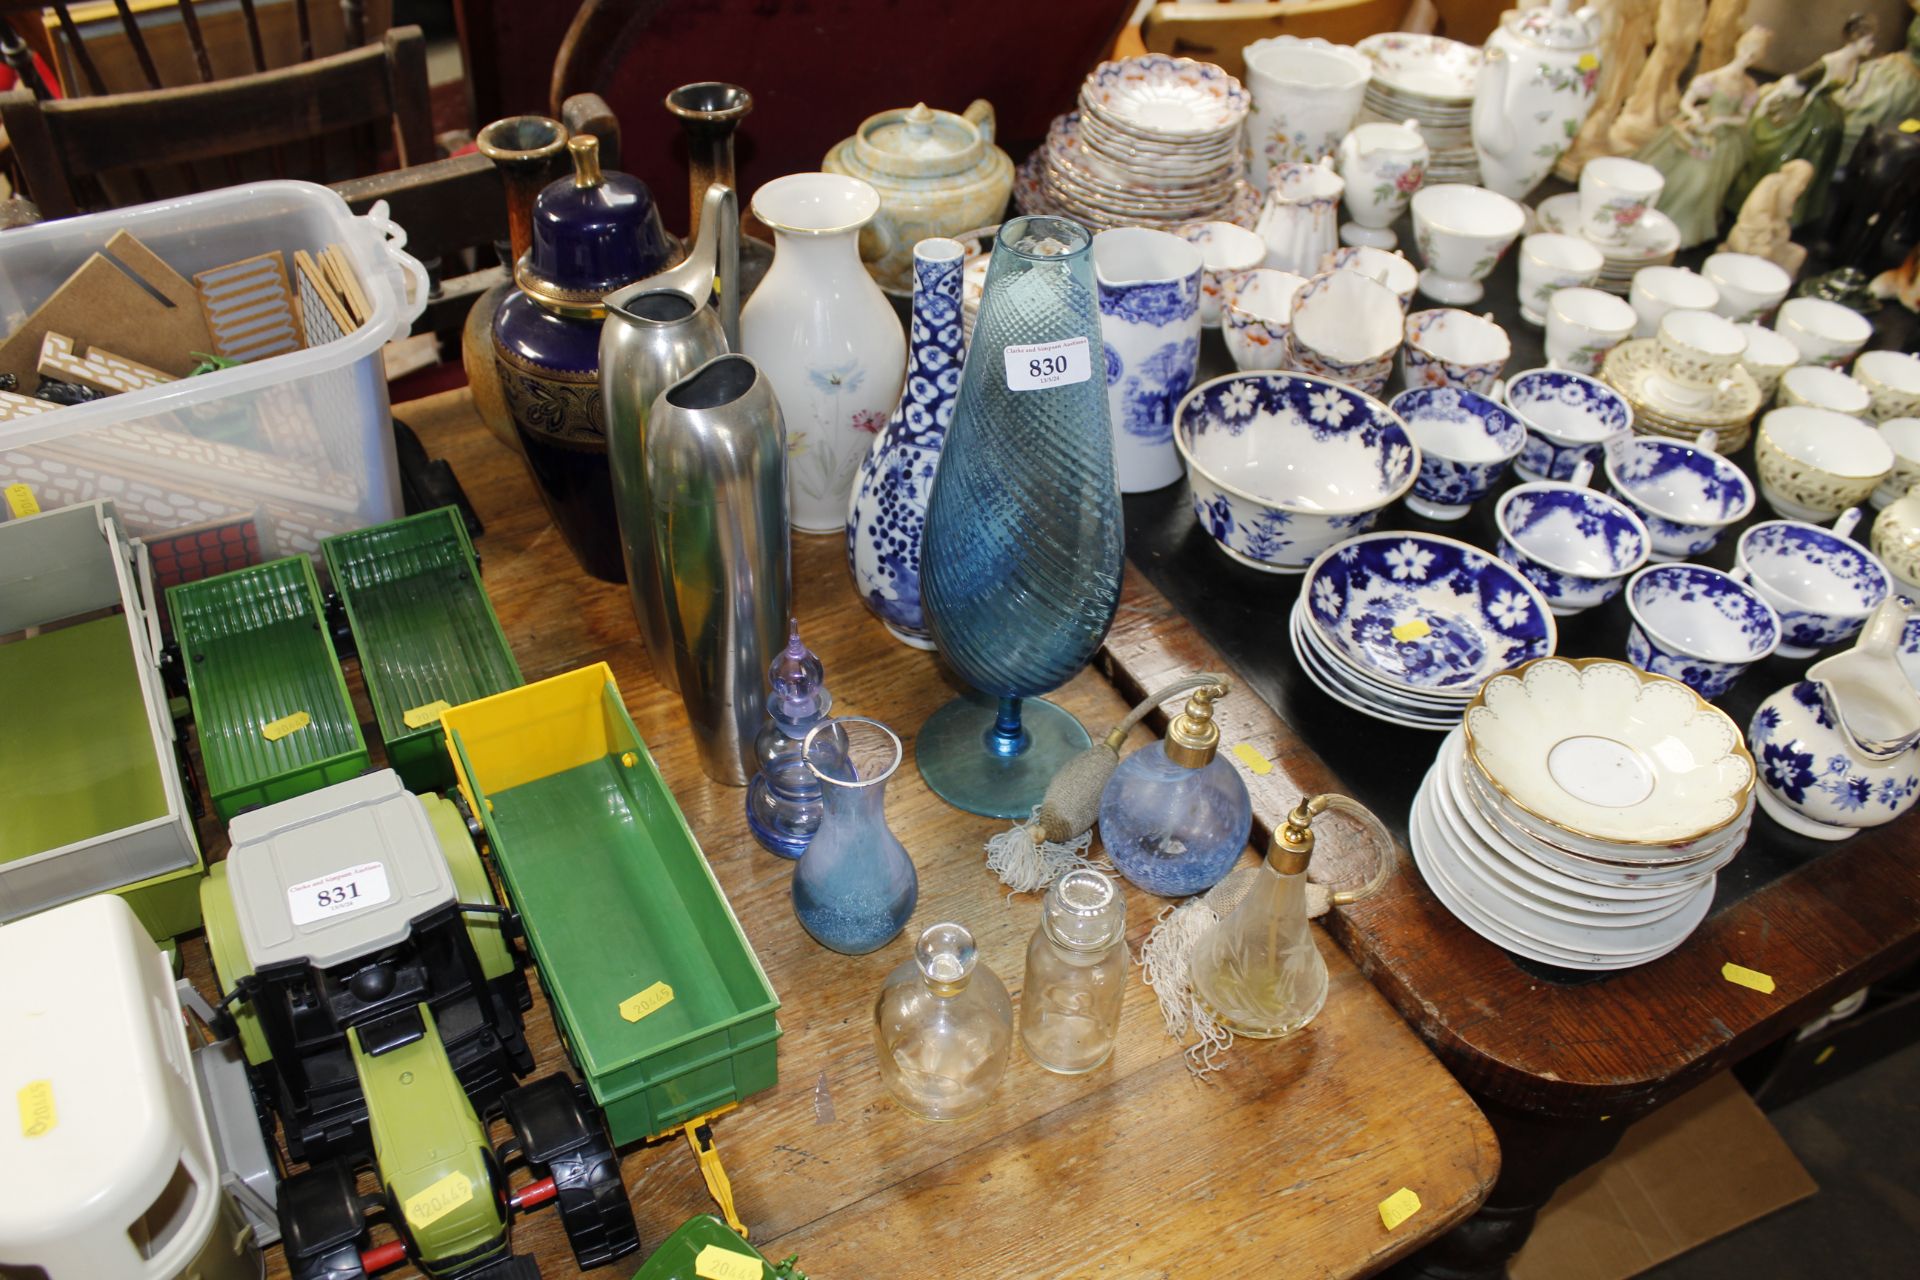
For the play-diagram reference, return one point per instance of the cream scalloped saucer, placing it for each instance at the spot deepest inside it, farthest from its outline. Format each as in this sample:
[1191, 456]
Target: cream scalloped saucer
[1633, 369]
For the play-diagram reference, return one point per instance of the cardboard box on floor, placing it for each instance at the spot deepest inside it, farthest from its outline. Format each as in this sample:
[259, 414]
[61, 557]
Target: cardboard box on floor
[1705, 1164]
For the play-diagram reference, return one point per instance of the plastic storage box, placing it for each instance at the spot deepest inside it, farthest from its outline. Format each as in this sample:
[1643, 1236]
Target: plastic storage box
[90, 792]
[616, 898]
[425, 632]
[298, 445]
[269, 703]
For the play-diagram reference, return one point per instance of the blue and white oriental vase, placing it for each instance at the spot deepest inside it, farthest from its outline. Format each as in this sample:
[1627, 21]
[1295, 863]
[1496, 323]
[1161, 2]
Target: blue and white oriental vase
[887, 515]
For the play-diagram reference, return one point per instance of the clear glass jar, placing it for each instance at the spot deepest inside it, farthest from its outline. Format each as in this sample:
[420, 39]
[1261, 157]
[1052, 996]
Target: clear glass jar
[1076, 974]
[942, 1027]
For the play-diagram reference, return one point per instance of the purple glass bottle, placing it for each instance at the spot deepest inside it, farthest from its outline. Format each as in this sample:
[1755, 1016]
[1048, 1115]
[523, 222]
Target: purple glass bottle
[784, 799]
[592, 233]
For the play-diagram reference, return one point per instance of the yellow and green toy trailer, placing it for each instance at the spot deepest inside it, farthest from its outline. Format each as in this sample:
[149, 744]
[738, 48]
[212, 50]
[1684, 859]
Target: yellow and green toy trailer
[377, 994]
[94, 792]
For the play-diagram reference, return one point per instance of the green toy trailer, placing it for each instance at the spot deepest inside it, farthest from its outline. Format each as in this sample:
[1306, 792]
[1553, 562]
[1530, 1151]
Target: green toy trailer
[91, 792]
[703, 1247]
[424, 631]
[378, 998]
[269, 704]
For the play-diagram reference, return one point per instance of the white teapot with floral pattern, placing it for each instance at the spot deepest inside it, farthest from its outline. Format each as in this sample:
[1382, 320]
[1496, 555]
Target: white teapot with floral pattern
[1535, 88]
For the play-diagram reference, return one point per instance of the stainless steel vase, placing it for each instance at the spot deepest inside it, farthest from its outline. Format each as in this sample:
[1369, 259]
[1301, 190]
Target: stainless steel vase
[716, 469]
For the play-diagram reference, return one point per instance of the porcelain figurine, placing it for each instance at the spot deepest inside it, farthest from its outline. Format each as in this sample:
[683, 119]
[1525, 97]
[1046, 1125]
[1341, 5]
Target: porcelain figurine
[937, 174]
[1836, 751]
[1876, 211]
[1726, 19]
[1901, 283]
[1765, 225]
[1887, 90]
[1299, 217]
[1535, 87]
[591, 234]
[1701, 152]
[1676, 33]
[1625, 43]
[1382, 165]
[826, 337]
[1798, 117]
[889, 512]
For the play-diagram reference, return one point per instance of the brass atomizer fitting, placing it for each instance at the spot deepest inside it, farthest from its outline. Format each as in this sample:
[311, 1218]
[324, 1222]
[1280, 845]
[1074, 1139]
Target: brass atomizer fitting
[1193, 739]
[1292, 845]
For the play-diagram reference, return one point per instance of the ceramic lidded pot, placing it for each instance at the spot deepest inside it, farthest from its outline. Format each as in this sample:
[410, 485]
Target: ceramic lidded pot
[592, 233]
[1534, 91]
[937, 174]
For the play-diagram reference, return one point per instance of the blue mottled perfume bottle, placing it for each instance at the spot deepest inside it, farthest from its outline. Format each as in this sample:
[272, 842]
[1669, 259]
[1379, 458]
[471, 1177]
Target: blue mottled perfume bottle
[1174, 816]
[783, 800]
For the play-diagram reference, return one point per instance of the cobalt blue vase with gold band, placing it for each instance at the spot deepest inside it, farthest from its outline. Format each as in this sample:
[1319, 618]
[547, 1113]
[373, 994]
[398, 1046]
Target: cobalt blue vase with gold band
[592, 233]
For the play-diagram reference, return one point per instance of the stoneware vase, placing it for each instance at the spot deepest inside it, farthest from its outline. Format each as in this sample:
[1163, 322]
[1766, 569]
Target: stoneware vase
[888, 515]
[825, 336]
[1150, 322]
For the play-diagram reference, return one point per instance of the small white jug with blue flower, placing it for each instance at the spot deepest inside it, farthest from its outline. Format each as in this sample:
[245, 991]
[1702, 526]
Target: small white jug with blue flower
[1837, 751]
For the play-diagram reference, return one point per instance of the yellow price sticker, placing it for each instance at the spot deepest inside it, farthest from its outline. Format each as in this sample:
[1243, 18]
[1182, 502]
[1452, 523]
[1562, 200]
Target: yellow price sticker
[274, 730]
[1741, 976]
[1821, 1060]
[20, 501]
[1398, 1207]
[1412, 629]
[717, 1263]
[37, 1115]
[1249, 755]
[431, 1203]
[1910, 125]
[427, 714]
[652, 1000]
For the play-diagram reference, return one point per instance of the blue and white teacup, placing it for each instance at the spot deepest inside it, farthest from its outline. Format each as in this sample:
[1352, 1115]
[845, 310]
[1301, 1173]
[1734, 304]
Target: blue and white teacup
[1150, 321]
[1569, 416]
[1821, 582]
[1697, 625]
[1466, 441]
[1686, 494]
[1576, 545]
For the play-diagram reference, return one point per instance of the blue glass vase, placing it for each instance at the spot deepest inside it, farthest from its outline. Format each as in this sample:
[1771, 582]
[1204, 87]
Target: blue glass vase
[855, 889]
[1020, 574]
[889, 511]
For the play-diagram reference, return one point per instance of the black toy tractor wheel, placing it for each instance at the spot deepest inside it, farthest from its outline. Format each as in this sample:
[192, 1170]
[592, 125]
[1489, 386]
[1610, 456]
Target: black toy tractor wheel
[322, 1223]
[562, 1136]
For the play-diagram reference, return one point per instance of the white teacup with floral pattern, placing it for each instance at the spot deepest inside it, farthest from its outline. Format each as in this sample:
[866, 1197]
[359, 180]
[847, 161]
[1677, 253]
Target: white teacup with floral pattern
[1826, 332]
[1550, 263]
[1225, 251]
[1614, 195]
[1447, 347]
[1582, 326]
[1658, 290]
[1259, 311]
[1462, 232]
[1750, 286]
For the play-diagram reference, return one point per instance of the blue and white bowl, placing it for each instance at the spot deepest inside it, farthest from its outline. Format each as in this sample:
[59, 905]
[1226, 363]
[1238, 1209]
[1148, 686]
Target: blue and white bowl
[1576, 545]
[1424, 616]
[1687, 496]
[1569, 419]
[1697, 625]
[1822, 584]
[1284, 465]
[1466, 441]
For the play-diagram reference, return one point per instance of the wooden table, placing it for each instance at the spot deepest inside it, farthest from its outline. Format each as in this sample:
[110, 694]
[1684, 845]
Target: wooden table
[1560, 1063]
[1133, 1170]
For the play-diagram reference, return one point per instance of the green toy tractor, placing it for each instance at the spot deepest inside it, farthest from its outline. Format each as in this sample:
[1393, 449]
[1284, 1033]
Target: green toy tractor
[378, 996]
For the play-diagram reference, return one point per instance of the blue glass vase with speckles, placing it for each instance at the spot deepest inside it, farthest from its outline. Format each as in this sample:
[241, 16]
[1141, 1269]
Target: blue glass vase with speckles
[1020, 569]
[856, 887]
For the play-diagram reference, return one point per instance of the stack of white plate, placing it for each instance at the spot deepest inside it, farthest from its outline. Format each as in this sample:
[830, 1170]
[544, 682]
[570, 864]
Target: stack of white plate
[1652, 243]
[1581, 812]
[1429, 79]
[1405, 627]
[1155, 143]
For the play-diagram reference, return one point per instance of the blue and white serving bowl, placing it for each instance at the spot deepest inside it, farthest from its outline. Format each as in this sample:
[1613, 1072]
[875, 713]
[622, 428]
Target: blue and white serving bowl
[1424, 616]
[1569, 418]
[1467, 443]
[1687, 496]
[1575, 544]
[1821, 583]
[1284, 465]
[1698, 625]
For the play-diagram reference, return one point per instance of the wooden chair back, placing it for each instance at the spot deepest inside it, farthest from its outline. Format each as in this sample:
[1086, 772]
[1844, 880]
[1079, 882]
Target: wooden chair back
[323, 120]
[1218, 32]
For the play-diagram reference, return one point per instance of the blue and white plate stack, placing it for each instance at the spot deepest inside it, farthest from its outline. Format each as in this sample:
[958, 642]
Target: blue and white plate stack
[1405, 627]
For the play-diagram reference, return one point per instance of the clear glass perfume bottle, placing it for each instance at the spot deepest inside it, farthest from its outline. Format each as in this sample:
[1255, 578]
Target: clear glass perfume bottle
[1258, 973]
[784, 798]
[1174, 817]
[942, 1027]
[1076, 974]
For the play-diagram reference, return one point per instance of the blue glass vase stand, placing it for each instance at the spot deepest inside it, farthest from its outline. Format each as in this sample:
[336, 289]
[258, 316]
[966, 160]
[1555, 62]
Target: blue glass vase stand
[995, 756]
